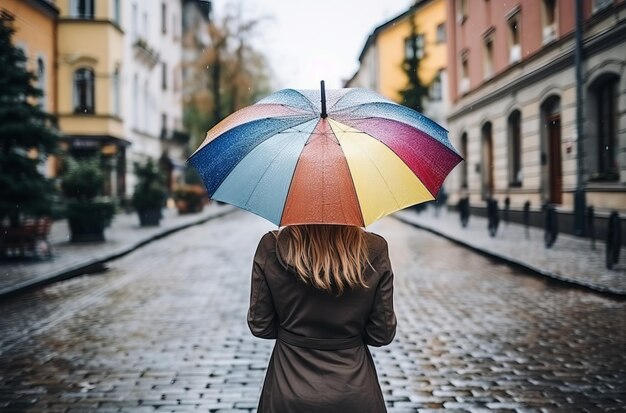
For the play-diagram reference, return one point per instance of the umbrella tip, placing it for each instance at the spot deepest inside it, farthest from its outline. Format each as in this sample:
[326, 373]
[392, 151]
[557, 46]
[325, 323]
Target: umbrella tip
[323, 93]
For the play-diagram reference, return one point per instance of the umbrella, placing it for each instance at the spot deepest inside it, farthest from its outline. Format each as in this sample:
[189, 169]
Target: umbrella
[292, 161]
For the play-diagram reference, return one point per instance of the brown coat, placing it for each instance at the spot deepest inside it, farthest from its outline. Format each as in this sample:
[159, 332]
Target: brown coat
[321, 362]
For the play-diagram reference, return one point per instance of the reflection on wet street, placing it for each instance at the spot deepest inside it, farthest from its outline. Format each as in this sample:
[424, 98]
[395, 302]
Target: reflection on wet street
[165, 330]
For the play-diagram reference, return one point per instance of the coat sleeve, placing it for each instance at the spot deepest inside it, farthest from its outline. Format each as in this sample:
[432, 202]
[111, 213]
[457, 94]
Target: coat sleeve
[380, 328]
[262, 317]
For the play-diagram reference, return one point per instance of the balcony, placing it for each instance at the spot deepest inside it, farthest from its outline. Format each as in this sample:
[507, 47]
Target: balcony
[145, 53]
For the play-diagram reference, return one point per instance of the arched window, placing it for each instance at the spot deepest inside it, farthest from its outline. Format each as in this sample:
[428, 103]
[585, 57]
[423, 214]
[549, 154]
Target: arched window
[515, 148]
[41, 81]
[82, 9]
[604, 114]
[84, 83]
[464, 163]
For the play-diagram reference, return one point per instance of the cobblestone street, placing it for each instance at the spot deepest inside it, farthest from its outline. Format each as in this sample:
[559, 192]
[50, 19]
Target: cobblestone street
[164, 330]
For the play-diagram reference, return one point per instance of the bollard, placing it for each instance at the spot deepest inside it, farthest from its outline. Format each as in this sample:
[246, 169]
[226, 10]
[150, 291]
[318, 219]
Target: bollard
[551, 227]
[591, 226]
[463, 207]
[613, 240]
[492, 217]
[527, 218]
[507, 207]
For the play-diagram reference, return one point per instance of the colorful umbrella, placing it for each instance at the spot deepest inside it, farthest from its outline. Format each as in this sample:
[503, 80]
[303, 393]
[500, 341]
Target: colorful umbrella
[290, 160]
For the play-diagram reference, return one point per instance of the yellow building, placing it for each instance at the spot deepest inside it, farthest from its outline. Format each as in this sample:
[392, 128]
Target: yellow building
[381, 61]
[90, 55]
[35, 24]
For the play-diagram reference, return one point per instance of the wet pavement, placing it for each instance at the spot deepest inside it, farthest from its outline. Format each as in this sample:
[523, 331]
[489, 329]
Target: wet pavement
[163, 330]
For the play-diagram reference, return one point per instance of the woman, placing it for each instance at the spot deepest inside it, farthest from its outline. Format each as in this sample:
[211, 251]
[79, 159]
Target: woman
[324, 292]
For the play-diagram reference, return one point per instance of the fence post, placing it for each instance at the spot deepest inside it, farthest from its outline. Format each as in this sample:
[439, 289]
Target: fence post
[591, 226]
[492, 216]
[527, 218]
[507, 207]
[613, 240]
[551, 225]
[463, 206]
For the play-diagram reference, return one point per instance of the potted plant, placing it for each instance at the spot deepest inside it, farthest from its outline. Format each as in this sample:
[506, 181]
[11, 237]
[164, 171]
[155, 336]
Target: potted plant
[150, 193]
[27, 136]
[87, 214]
[189, 199]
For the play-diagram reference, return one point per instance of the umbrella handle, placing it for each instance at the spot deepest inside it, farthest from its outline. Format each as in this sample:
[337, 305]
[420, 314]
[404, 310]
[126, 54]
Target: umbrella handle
[323, 90]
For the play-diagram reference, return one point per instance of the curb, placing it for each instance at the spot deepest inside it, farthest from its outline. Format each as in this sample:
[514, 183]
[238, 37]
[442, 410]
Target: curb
[95, 265]
[608, 292]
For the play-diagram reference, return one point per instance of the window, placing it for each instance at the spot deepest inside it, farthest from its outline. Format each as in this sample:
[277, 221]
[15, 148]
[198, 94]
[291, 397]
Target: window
[436, 93]
[116, 92]
[414, 47]
[441, 33]
[464, 164]
[461, 11]
[135, 22]
[163, 18]
[41, 82]
[515, 149]
[82, 9]
[488, 63]
[146, 105]
[145, 25]
[548, 18]
[164, 76]
[116, 12]
[599, 5]
[136, 101]
[84, 83]
[605, 96]
[464, 83]
[163, 126]
[515, 47]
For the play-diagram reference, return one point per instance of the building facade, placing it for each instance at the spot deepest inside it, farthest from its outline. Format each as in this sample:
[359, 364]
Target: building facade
[382, 57]
[39, 47]
[513, 93]
[89, 86]
[153, 86]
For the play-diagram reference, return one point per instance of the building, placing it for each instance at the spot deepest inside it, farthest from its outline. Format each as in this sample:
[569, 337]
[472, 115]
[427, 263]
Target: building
[153, 86]
[382, 57]
[39, 47]
[89, 107]
[513, 89]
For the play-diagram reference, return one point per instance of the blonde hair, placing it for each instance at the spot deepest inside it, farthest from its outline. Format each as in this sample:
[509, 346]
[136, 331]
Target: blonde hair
[330, 257]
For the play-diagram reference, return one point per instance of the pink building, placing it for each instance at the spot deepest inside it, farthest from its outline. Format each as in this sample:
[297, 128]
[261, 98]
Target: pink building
[513, 92]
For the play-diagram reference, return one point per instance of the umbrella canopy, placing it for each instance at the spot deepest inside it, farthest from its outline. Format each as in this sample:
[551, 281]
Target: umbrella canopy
[292, 161]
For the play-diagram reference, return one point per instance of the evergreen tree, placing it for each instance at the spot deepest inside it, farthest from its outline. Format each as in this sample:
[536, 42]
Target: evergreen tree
[414, 93]
[25, 136]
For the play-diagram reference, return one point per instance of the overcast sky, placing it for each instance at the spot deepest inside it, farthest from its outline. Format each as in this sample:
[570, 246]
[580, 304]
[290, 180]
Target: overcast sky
[307, 41]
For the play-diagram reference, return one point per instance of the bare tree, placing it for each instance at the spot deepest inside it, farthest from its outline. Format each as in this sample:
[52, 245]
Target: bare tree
[233, 73]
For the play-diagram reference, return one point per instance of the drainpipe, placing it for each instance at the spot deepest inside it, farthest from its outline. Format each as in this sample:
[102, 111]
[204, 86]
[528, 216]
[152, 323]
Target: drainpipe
[579, 194]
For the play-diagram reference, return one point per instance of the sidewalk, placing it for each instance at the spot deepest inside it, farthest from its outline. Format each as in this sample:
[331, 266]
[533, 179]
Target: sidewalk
[571, 259]
[70, 259]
